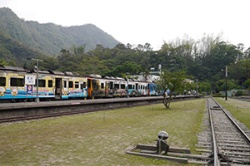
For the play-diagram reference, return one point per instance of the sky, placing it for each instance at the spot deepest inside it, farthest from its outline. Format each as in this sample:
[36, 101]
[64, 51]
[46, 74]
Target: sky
[145, 21]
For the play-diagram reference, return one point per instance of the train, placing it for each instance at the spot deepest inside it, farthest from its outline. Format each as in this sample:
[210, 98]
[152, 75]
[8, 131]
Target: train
[21, 84]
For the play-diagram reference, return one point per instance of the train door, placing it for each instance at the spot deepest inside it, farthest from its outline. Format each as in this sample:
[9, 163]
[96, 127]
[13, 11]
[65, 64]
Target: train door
[90, 88]
[106, 88]
[58, 88]
[65, 85]
[83, 87]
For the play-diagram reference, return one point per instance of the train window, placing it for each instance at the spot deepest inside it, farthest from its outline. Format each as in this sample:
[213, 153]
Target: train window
[65, 84]
[16, 82]
[111, 84]
[71, 84]
[84, 84]
[41, 83]
[95, 85]
[123, 86]
[117, 86]
[130, 86]
[102, 85]
[2, 81]
[76, 85]
[50, 83]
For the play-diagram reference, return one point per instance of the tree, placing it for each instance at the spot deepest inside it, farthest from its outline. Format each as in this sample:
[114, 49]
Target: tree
[172, 81]
[222, 85]
[247, 83]
[240, 71]
[204, 87]
[247, 53]
[147, 47]
[130, 67]
[3, 62]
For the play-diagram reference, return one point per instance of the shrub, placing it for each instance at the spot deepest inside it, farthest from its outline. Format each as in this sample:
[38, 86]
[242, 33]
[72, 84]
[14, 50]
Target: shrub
[239, 93]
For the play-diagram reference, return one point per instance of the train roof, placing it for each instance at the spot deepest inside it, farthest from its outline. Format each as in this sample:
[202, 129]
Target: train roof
[43, 72]
[56, 72]
[12, 68]
[95, 76]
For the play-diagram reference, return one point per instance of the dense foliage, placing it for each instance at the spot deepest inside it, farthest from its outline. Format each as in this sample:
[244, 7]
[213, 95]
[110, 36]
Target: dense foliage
[203, 61]
[14, 53]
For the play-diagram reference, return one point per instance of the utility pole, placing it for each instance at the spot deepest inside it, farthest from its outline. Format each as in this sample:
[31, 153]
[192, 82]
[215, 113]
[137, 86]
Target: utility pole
[226, 85]
[37, 76]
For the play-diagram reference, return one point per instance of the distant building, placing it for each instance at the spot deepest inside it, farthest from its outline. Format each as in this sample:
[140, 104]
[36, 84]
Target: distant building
[189, 81]
[150, 78]
[153, 76]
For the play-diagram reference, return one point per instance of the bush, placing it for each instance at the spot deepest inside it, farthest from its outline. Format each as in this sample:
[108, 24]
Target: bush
[239, 93]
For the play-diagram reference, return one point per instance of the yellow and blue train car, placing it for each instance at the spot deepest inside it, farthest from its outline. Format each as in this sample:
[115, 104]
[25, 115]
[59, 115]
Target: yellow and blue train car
[73, 87]
[19, 84]
[12, 85]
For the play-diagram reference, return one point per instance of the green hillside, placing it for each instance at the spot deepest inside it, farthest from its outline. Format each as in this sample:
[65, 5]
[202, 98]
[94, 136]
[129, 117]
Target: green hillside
[50, 38]
[13, 52]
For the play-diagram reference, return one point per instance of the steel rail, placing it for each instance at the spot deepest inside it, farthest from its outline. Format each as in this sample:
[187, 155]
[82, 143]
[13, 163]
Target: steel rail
[215, 147]
[233, 121]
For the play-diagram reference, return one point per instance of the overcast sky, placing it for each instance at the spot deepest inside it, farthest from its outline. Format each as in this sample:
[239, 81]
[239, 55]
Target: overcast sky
[141, 21]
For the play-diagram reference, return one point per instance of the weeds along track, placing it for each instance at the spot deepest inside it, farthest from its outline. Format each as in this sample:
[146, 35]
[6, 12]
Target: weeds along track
[223, 138]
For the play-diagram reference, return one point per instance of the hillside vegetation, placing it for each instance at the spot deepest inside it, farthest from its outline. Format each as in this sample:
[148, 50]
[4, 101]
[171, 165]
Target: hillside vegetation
[50, 38]
[13, 52]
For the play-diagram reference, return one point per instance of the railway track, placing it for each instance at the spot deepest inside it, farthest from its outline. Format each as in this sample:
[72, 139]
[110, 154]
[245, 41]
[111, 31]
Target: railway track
[222, 142]
[223, 139]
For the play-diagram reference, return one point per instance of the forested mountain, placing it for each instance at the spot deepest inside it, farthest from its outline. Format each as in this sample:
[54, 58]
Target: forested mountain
[14, 53]
[50, 38]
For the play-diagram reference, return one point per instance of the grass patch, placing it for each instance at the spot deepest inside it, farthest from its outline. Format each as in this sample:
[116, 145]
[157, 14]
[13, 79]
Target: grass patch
[100, 138]
[239, 109]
